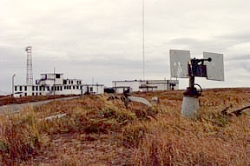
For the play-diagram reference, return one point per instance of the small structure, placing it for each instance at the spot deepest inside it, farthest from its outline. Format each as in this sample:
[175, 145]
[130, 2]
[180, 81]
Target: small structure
[145, 85]
[54, 84]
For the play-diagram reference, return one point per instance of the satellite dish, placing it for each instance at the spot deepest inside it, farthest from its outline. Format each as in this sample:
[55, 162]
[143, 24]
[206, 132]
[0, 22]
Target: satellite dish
[178, 63]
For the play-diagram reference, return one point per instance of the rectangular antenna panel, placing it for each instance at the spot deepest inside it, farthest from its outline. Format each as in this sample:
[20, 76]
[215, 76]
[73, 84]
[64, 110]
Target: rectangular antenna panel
[179, 63]
[215, 68]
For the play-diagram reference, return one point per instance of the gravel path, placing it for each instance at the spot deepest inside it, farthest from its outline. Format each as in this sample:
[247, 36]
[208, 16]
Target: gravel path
[14, 108]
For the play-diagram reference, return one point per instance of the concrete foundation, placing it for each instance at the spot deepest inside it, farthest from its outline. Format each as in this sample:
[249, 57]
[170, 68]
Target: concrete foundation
[190, 107]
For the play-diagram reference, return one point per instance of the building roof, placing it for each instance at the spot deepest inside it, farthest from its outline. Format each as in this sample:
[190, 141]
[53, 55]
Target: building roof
[51, 73]
[73, 79]
[92, 84]
[131, 81]
[151, 81]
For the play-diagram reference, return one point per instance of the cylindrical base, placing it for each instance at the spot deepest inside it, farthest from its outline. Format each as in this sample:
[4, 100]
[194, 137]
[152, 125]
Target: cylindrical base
[190, 106]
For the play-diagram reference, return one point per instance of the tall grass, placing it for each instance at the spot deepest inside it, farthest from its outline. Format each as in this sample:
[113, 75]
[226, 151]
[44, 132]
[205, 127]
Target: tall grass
[21, 138]
[213, 139]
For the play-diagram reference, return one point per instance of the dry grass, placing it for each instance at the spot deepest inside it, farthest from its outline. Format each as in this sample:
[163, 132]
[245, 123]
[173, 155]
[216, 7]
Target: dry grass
[96, 131]
[21, 138]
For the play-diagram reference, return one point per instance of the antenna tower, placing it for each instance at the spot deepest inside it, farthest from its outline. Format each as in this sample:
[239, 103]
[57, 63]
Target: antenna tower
[143, 47]
[29, 76]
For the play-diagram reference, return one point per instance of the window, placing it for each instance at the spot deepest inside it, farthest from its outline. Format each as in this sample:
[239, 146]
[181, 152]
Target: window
[77, 87]
[74, 87]
[64, 82]
[36, 93]
[25, 94]
[40, 93]
[33, 94]
[91, 89]
[64, 87]
[57, 75]
[25, 88]
[15, 88]
[71, 82]
[33, 88]
[36, 88]
[69, 87]
[60, 88]
[40, 88]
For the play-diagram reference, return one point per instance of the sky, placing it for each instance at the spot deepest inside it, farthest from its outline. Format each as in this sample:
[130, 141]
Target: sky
[100, 41]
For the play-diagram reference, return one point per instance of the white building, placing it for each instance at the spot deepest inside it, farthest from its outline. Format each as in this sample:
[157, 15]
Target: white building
[54, 84]
[145, 85]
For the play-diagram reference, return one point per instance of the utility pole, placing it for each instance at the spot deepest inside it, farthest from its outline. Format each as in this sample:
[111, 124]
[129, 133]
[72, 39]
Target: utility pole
[13, 84]
[54, 81]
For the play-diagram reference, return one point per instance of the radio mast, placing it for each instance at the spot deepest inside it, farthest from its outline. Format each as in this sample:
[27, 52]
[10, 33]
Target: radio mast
[29, 76]
[143, 45]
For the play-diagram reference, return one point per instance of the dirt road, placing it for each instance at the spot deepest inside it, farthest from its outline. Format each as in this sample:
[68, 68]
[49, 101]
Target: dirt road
[14, 108]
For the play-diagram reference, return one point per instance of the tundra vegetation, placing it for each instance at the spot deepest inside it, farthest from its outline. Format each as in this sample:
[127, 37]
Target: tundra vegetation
[98, 131]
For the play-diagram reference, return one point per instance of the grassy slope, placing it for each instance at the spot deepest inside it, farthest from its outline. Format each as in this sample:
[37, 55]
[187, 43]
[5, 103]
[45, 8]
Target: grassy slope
[96, 131]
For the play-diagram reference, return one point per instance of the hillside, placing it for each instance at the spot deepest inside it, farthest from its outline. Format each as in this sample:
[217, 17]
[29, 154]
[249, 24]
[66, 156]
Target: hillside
[99, 130]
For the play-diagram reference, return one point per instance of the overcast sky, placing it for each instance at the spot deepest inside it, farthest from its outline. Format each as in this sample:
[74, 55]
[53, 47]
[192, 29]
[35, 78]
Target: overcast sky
[101, 40]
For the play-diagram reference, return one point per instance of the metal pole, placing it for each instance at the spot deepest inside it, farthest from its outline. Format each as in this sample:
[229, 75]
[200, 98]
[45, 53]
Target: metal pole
[143, 45]
[191, 82]
[13, 84]
[54, 81]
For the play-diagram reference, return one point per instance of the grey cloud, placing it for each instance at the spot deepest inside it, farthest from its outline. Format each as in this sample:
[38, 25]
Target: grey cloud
[246, 66]
[242, 37]
[103, 39]
[235, 38]
[239, 57]
[198, 46]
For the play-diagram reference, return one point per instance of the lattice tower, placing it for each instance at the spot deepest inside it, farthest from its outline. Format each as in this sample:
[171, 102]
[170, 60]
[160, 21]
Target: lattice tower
[29, 76]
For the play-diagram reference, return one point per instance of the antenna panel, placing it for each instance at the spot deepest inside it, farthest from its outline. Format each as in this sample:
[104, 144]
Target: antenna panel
[215, 68]
[179, 63]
